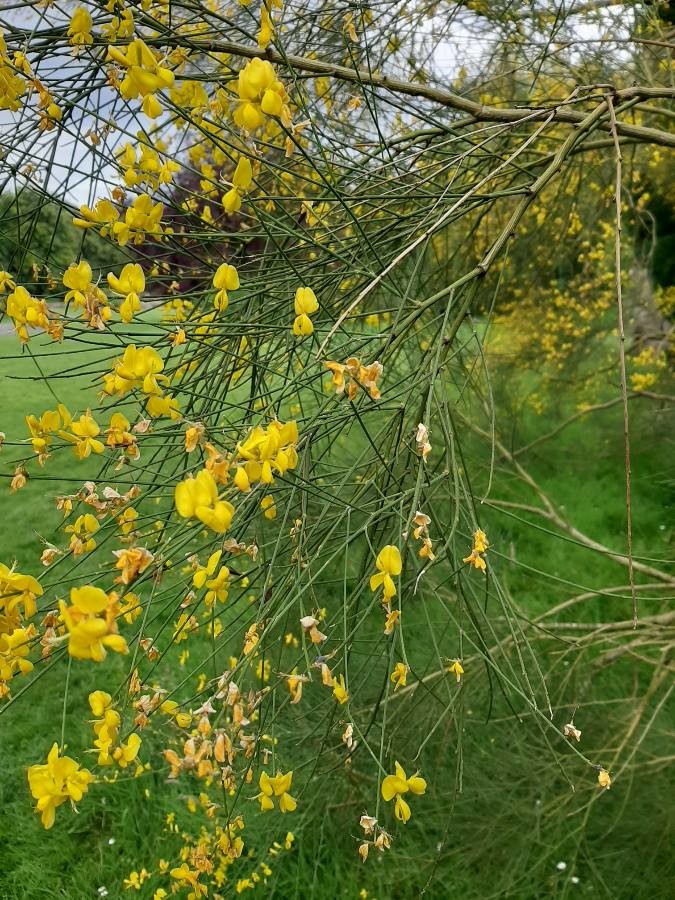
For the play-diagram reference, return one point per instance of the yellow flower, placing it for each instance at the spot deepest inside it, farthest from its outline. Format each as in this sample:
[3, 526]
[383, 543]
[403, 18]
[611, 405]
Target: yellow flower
[309, 623]
[241, 481]
[193, 435]
[480, 541]
[302, 326]
[90, 623]
[241, 182]
[127, 753]
[456, 670]
[15, 645]
[81, 531]
[251, 639]
[394, 786]
[127, 521]
[295, 683]
[179, 337]
[388, 565]
[476, 560]
[129, 285]
[265, 450]
[305, 305]
[131, 563]
[203, 572]
[279, 786]
[260, 95]
[139, 367]
[480, 546]
[79, 30]
[118, 434]
[77, 278]
[6, 282]
[198, 498]
[106, 725]
[27, 312]
[158, 406]
[17, 590]
[102, 216]
[143, 75]
[604, 779]
[84, 436]
[130, 608]
[225, 279]
[243, 174]
[266, 32]
[399, 675]
[351, 375]
[339, 690]
[41, 430]
[217, 588]
[135, 880]
[60, 779]
[268, 507]
[141, 218]
[391, 621]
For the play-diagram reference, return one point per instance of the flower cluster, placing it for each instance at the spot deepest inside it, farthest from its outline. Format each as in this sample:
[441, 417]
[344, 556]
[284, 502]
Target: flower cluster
[130, 284]
[349, 376]
[197, 498]
[277, 788]
[18, 603]
[86, 296]
[143, 75]
[106, 727]
[27, 312]
[260, 94]
[145, 168]
[91, 623]
[266, 451]
[140, 368]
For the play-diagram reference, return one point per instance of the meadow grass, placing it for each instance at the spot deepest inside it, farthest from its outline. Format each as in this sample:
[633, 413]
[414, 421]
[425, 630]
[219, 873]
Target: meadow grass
[517, 818]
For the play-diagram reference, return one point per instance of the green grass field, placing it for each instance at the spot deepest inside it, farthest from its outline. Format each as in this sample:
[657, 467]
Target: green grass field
[517, 829]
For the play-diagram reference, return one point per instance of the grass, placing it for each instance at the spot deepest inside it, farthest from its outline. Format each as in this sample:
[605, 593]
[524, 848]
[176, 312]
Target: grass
[517, 819]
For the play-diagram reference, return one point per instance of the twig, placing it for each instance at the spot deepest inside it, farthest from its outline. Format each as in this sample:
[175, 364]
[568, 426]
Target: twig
[622, 351]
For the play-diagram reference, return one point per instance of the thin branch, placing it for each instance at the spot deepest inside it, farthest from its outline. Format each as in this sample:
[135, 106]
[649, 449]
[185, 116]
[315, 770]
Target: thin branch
[622, 353]
[441, 96]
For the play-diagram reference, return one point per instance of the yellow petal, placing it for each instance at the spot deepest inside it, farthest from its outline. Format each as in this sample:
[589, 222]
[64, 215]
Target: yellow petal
[393, 785]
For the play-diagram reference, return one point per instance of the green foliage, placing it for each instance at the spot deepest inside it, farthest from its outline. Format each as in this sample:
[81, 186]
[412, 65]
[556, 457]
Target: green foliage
[36, 231]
